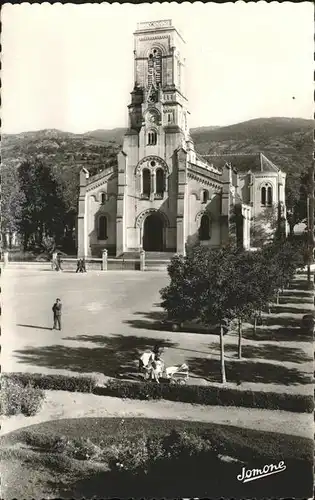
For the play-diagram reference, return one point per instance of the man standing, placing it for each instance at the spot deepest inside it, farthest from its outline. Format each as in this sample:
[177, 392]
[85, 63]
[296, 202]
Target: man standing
[57, 314]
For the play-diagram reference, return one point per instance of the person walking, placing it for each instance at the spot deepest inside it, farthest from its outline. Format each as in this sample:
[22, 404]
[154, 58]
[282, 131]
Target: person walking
[54, 261]
[57, 314]
[79, 265]
[83, 265]
[59, 268]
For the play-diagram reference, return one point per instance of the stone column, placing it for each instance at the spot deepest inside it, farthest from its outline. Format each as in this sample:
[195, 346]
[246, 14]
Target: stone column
[5, 259]
[181, 202]
[104, 260]
[152, 186]
[121, 204]
[142, 260]
[82, 214]
[225, 204]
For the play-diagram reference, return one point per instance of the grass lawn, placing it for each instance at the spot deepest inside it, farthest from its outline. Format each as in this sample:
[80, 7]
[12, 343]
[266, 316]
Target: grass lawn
[30, 469]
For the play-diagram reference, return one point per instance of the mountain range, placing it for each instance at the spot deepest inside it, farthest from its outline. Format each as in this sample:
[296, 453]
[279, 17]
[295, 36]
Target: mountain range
[288, 142]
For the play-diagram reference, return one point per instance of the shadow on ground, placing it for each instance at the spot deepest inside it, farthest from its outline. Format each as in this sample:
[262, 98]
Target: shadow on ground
[197, 477]
[265, 351]
[293, 299]
[286, 334]
[300, 284]
[149, 321]
[248, 371]
[281, 321]
[153, 320]
[284, 309]
[35, 326]
[116, 355]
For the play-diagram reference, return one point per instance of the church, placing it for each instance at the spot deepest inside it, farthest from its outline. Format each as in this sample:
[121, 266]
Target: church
[163, 195]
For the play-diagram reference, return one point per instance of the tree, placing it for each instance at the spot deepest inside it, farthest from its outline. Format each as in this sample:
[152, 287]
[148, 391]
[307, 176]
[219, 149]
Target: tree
[42, 209]
[285, 258]
[296, 201]
[246, 300]
[11, 210]
[203, 288]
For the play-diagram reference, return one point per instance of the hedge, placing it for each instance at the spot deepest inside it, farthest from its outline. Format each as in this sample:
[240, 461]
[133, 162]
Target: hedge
[53, 381]
[16, 398]
[212, 396]
[195, 394]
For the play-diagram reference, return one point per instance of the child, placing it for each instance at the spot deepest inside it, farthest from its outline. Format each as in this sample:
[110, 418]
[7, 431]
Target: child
[157, 368]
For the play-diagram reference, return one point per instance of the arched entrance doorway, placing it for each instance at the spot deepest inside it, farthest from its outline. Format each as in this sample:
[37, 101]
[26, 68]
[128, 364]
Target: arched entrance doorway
[153, 229]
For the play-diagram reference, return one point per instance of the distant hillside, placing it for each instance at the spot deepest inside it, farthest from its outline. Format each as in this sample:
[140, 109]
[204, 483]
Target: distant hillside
[286, 141]
[112, 135]
[66, 153]
[262, 129]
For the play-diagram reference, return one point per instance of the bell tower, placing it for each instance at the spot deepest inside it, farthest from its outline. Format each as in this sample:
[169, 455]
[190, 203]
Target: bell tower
[158, 101]
[148, 167]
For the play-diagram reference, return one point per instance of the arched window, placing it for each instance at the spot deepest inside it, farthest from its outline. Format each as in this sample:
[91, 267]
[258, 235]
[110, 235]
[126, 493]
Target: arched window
[160, 181]
[266, 195]
[102, 228]
[155, 67]
[152, 138]
[205, 196]
[146, 182]
[103, 198]
[205, 228]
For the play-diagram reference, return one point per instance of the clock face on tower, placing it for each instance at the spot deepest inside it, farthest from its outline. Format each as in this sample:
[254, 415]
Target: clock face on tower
[152, 118]
[152, 97]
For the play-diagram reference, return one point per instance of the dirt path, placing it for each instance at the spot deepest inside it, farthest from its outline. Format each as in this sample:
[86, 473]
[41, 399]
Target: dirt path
[61, 404]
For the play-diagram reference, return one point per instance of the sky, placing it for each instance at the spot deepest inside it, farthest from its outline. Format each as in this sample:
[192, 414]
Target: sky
[70, 67]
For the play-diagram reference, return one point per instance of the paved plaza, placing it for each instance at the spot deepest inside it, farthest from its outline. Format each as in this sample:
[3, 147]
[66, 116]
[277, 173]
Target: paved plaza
[109, 318]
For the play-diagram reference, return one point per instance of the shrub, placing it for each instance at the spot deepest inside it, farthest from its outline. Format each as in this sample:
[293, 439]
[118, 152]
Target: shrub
[184, 444]
[81, 449]
[208, 395]
[10, 397]
[53, 382]
[129, 455]
[41, 441]
[16, 398]
[31, 400]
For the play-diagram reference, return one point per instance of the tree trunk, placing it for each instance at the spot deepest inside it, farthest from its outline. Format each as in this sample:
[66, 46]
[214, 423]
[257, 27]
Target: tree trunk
[255, 325]
[222, 362]
[239, 339]
[291, 230]
[25, 241]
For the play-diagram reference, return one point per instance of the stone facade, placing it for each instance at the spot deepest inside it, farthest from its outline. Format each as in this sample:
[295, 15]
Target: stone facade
[163, 195]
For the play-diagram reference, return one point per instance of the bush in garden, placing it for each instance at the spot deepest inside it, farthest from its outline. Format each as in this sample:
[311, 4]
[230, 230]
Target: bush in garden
[204, 395]
[184, 444]
[31, 400]
[44, 442]
[80, 449]
[10, 397]
[128, 455]
[53, 381]
[16, 398]
[142, 454]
